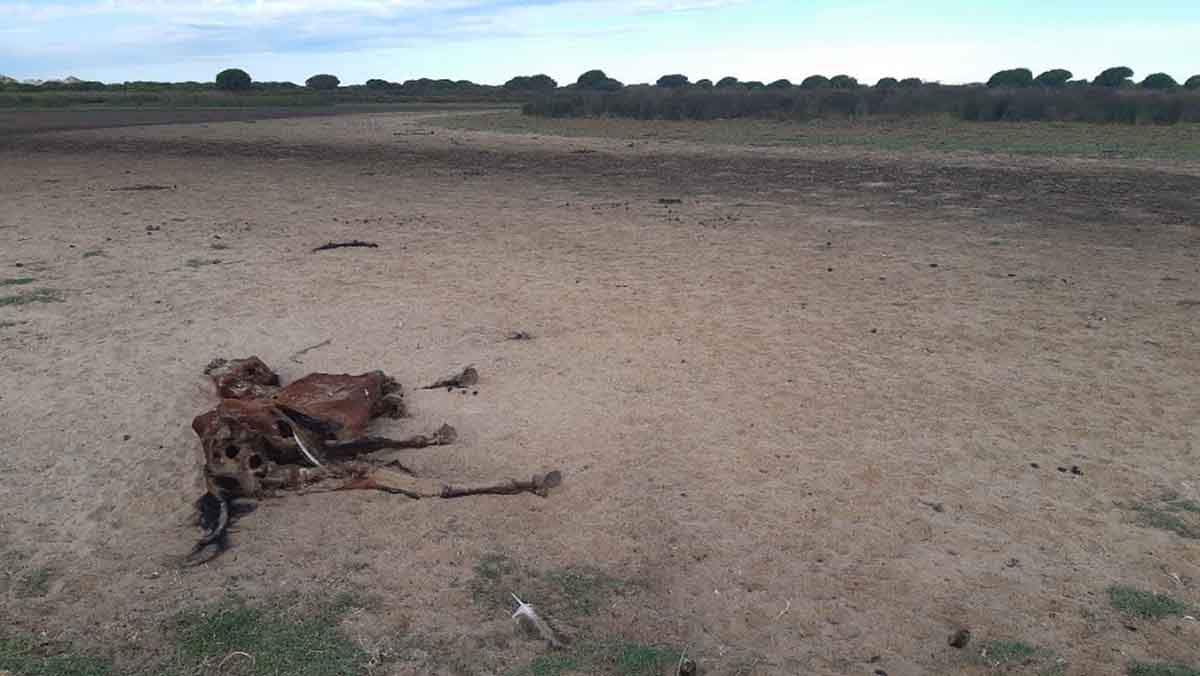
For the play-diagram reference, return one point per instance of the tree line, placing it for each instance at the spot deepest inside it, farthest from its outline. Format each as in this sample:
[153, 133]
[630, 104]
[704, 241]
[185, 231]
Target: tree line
[1009, 95]
[238, 80]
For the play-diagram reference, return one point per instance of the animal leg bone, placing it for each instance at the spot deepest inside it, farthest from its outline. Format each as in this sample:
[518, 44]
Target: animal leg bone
[360, 476]
[348, 449]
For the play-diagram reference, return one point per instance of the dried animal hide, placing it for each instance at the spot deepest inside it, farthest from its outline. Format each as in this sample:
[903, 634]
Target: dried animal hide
[262, 437]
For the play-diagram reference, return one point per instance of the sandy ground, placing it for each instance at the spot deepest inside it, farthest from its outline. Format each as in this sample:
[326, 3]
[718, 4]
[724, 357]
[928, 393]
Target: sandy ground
[758, 395]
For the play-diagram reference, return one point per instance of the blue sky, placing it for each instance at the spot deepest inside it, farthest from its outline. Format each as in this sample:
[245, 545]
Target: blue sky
[633, 40]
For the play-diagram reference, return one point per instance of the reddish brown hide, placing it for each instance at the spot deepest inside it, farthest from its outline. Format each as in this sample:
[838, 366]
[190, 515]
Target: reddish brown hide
[262, 436]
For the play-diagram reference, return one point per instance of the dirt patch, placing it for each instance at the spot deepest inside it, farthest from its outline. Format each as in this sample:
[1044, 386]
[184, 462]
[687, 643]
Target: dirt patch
[758, 395]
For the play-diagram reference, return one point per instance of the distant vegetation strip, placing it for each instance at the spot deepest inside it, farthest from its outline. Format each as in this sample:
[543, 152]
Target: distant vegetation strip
[1009, 95]
[1012, 95]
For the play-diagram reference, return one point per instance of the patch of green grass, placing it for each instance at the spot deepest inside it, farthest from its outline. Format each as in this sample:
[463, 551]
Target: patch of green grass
[550, 665]
[636, 659]
[582, 590]
[1183, 505]
[1174, 515]
[35, 584]
[564, 593]
[17, 281]
[24, 658]
[1144, 604]
[1006, 654]
[615, 658]
[38, 296]
[93, 253]
[201, 262]
[1161, 669]
[285, 638]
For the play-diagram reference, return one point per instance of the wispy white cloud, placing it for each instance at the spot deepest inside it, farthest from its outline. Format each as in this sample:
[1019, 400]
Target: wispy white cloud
[139, 30]
[634, 40]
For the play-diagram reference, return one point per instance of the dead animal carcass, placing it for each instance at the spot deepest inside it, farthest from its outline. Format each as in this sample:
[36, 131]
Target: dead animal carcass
[263, 438]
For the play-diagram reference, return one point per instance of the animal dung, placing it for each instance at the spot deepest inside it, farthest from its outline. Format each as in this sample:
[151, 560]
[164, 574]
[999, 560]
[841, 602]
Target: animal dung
[960, 638]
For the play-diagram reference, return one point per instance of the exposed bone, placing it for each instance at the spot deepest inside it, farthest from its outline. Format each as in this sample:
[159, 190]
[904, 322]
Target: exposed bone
[463, 379]
[361, 476]
[348, 449]
[532, 623]
[310, 445]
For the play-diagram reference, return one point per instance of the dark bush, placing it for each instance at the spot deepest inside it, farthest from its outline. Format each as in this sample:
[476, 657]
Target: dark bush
[1090, 104]
[1015, 77]
[1057, 77]
[754, 84]
[1085, 104]
[911, 83]
[843, 82]
[726, 82]
[814, 82]
[322, 82]
[1159, 81]
[673, 81]
[596, 80]
[376, 83]
[887, 83]
[780, 84]
[531, 83]
[1193, 82]
[233, 80]
[1114, 77]
[704, 84]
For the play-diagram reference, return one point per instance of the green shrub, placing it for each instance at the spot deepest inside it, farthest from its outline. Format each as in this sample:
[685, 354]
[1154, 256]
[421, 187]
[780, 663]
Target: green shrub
[323, 82]
[780, 84]
[1057, 77]
[843, 82]
[377, 84]
[814, 82]
[1144, 604]
[590, 79]
[233, 80]
[1114, 77]
[727, 82]
[704, 83]
[674, 81]
[1193, 82]
[911, 83]
[1161, 669]
[1159, 81]
[1015, 77]
[887, 83]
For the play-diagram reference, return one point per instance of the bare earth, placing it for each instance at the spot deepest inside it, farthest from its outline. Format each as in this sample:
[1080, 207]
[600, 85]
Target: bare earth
[798, 412]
